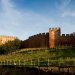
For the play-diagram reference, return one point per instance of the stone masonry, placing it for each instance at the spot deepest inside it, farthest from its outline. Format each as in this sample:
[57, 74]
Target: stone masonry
[51, 39]
[4, 39]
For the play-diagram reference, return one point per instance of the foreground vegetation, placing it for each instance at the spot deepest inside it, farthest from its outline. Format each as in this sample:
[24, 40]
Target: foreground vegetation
[10, 46]
[45, 56]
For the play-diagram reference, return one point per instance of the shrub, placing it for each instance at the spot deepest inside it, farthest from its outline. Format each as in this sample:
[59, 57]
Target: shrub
[10, 46]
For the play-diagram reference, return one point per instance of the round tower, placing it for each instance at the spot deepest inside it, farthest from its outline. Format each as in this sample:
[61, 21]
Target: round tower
[54, 37]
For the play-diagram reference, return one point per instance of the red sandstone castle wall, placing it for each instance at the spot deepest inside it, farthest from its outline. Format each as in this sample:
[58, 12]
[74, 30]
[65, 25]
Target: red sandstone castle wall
[49, 40]
[37, 41]
[67, 40]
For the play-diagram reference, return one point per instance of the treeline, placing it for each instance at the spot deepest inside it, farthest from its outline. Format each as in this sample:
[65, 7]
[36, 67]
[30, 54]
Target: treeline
[10, 46]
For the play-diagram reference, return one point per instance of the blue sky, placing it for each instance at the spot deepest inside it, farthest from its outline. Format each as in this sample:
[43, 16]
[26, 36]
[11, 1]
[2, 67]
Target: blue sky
[23, 18]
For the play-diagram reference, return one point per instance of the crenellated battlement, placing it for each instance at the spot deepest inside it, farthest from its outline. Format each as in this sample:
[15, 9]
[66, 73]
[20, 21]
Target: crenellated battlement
[38, 40]
[55, 28]
[51, 39]
[38, 35]
[67, 35]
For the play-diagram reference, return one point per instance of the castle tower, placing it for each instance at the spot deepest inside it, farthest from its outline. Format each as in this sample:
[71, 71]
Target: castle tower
[54, 37]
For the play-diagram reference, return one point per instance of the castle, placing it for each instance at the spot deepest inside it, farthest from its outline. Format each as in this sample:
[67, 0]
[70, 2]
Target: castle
[4, 39]
[51, 39]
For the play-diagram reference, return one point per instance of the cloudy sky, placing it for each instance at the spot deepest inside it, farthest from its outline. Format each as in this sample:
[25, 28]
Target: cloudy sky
[23, 18]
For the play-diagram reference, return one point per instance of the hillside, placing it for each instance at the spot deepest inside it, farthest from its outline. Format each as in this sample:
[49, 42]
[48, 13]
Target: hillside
[53, 56]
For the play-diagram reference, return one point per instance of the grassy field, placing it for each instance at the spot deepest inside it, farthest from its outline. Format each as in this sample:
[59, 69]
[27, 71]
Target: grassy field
[65, 56]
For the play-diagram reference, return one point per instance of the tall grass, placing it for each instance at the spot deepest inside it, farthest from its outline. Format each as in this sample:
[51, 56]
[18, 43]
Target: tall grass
[55, 56]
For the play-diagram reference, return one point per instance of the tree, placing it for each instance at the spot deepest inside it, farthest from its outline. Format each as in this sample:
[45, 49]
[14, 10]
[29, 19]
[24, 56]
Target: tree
[10, 46]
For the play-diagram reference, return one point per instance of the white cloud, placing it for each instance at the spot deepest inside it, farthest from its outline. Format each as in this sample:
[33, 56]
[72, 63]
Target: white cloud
[65, 9]
[19, 23]
[68, 13]
[63, 4]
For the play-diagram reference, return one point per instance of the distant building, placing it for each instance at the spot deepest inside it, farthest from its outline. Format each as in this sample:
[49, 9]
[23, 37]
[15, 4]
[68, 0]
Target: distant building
[51, 39]
[4, 39]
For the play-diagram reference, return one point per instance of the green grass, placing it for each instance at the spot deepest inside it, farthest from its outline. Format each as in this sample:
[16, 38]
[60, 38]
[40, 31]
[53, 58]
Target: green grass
[66, 56]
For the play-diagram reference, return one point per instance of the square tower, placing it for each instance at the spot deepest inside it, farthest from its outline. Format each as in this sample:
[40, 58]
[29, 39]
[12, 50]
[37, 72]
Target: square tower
[54, 37]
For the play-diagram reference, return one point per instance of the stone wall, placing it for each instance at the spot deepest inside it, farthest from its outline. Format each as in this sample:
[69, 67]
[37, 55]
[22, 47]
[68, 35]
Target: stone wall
[4, 39]
[40, 40]
[51, 39]
[67, 40]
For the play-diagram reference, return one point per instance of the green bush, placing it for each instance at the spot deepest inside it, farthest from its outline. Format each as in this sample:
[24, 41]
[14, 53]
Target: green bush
[10, 46]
